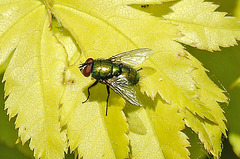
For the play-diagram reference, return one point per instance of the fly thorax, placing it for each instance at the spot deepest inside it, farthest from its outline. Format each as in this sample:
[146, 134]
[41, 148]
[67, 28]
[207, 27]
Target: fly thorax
[104, 69]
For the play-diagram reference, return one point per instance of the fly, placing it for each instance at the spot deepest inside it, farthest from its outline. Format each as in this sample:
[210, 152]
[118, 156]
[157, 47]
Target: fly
[117, 73]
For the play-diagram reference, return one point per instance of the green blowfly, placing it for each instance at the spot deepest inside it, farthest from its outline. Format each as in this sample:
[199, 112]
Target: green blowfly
[117, 72]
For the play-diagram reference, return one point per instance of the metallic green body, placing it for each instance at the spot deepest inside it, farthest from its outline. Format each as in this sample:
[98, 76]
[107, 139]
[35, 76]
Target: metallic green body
[130, 74]
[105, 69]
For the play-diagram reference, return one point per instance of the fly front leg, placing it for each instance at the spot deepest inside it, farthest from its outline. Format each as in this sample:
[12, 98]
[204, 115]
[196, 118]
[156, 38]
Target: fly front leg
[108, 91]
[139, 69]
[89, 90]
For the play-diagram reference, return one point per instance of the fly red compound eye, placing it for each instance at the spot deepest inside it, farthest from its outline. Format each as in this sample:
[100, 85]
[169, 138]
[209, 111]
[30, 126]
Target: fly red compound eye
[88, 67]
[87, 70]
[89, 60]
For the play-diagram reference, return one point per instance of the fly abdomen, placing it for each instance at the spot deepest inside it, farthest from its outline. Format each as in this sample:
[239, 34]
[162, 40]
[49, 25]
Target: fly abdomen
[116, 70]
[130, 74]
[104, 69]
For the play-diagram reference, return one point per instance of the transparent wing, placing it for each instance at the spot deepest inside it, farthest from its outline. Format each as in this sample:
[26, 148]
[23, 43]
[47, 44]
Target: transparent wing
[133, 57]
[120, 86]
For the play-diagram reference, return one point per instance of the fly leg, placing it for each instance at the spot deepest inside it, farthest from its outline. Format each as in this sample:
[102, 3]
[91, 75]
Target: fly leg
[108, 91]
[139, 69]
[89, 90]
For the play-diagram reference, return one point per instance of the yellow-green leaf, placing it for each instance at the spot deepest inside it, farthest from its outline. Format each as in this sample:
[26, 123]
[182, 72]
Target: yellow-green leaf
[14, 15]
[30, 76]
[202, 27]
[46, 90]
[164, 127]
[143, 139]
[8, 135]
[187, 90]
[202, 96]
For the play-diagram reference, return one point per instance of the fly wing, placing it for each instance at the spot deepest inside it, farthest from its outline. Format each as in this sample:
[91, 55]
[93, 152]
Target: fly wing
[133, 57]
[120, 86]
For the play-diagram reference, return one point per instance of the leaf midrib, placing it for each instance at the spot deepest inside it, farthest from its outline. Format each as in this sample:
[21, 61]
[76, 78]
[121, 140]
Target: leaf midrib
[97, 17]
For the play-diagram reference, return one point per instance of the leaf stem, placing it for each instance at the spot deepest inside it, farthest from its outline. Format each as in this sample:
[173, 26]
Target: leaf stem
[49, 11]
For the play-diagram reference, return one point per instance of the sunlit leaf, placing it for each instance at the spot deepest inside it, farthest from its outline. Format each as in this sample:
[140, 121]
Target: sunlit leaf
[202, 27]
[30, 76]
[143, 132]
[165, 127]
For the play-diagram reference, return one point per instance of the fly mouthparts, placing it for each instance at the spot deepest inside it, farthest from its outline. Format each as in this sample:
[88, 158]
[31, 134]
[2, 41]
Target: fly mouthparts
[82, 66]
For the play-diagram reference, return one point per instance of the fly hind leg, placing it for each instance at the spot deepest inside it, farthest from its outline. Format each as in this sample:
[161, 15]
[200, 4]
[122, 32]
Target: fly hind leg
[108, 91]
[89, 90]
